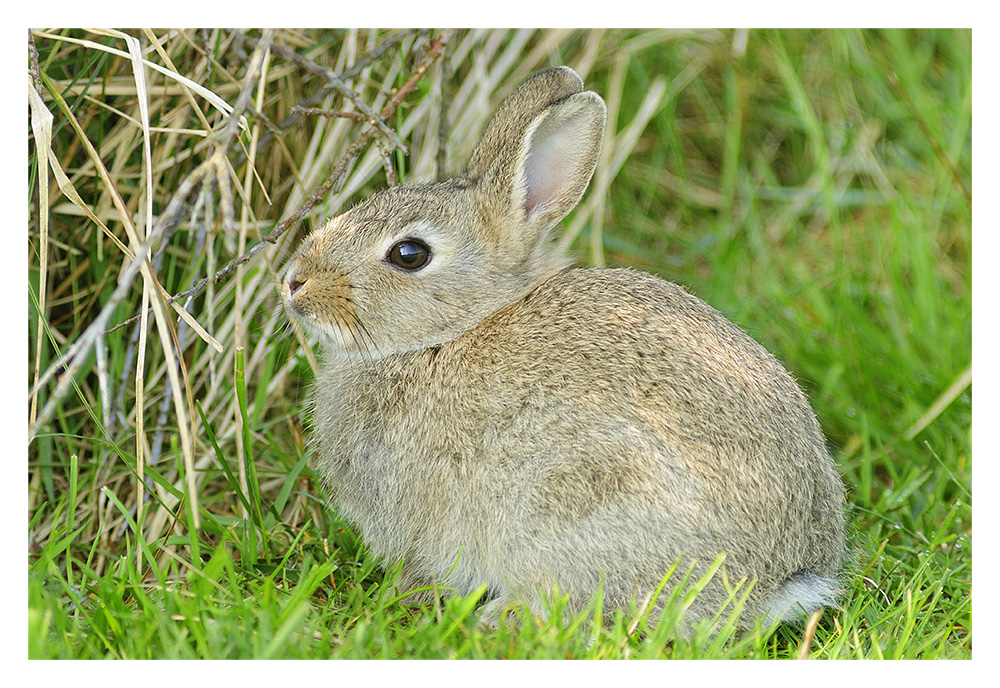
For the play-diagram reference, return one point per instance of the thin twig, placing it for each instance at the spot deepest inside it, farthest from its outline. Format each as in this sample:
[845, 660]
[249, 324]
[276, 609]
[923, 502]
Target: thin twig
[385, 152]
[390, 42]
[33, 64]
[340, 87]
[357, 117]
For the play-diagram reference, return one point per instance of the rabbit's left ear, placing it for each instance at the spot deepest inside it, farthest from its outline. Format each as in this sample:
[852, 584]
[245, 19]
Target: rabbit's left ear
[558, 154]
[537, 155]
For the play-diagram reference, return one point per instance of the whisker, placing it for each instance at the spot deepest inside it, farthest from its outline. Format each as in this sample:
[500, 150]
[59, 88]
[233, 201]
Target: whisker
[362, 338]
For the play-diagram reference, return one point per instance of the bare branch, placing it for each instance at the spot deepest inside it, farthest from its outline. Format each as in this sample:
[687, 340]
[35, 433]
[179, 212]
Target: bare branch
[340, 87]
[390, 42]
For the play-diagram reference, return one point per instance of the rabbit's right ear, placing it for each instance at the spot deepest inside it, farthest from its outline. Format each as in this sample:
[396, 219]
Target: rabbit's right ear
[538, 154]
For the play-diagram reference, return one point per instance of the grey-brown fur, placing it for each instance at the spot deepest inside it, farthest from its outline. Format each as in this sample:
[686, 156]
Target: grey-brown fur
[495, 418]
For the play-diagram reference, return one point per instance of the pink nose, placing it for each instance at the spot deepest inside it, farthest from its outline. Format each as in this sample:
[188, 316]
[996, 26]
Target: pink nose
[294, 286]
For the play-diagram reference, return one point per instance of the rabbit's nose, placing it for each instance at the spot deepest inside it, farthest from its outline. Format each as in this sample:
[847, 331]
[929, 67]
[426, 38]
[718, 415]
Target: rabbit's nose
[294, 285]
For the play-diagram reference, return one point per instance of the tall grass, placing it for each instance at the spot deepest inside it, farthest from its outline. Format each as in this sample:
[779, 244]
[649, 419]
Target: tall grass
[812, 185]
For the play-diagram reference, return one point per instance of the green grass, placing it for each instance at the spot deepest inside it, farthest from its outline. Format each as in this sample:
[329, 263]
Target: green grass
[814, 186]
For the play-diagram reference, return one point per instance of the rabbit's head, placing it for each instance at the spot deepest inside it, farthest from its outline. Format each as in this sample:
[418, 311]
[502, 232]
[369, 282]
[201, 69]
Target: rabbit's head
[416, 265]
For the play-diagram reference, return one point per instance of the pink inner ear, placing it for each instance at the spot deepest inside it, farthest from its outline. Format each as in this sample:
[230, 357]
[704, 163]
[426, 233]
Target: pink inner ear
[553, 157]
[540, 195]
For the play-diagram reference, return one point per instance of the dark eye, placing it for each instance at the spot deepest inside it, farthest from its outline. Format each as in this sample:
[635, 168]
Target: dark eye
[409, 254]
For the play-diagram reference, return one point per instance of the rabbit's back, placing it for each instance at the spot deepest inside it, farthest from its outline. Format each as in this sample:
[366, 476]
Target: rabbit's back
[595, 432]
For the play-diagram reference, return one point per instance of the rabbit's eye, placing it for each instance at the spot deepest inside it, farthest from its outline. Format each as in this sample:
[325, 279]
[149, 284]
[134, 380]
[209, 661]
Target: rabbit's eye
[409, 254]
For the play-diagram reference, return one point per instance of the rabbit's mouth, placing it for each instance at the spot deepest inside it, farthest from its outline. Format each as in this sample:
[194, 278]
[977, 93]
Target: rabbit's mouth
[322, 304]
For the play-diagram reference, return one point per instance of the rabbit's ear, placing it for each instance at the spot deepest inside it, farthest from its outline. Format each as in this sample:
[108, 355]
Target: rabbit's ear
[539, 152]
[558, 157]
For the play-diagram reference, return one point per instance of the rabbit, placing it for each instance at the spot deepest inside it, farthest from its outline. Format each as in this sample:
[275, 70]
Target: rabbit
[487, 415]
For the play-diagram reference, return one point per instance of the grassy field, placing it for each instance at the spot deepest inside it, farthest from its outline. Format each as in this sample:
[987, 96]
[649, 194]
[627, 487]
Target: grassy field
[815, 186]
